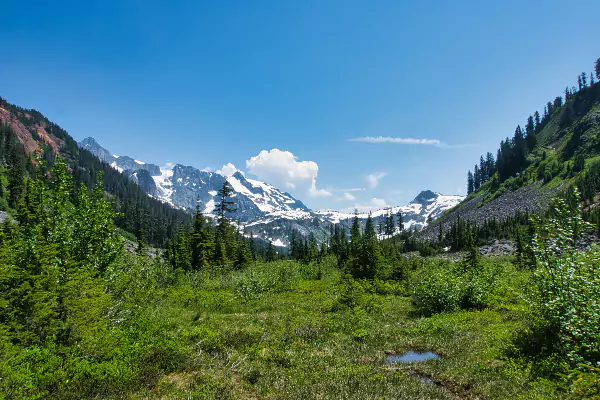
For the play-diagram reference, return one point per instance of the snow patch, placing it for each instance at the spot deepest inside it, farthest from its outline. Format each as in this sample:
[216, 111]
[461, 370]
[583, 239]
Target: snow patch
[278, 243]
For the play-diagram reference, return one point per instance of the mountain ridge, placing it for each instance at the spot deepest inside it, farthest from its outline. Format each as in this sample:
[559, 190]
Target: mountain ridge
[265, 210]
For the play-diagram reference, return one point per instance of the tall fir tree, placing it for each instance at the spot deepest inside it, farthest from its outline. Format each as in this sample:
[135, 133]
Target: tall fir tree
[470, 183]
[400, 220]
[371, 253]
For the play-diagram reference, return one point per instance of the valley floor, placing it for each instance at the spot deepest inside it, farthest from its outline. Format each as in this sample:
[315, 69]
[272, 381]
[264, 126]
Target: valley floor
[281, 330]
[303, 341]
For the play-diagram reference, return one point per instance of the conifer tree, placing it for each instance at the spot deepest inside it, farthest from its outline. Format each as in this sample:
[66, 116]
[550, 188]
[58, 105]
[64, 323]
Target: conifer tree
[558, 102]
[294, 251]
[271, 252]
[224, 243]
[470, 183]
[584, 79]
[471, 261]
[597, 69]
[244, 255]
[483, 170]
[390, 226]
[371, 253]
[380, 226]
[355, 246]
[201, 241]
[537, 120]
[491, 164]
[400, 220]
[477, 177]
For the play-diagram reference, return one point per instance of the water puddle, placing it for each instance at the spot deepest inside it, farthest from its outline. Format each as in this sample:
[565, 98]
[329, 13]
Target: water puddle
[426, 380]
[410, 357]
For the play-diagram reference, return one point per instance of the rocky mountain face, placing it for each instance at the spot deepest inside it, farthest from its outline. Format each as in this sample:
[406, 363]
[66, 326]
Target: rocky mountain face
[260, 207]
[123, 163]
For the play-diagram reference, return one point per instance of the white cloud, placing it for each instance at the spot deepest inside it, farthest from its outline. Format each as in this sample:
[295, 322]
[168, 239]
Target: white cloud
[378, 202]
[282, 169]
[348, 196]
[374, 204]
[374, 178]
[397, 140]
[227, 170]
[352, 190]
[409, 140]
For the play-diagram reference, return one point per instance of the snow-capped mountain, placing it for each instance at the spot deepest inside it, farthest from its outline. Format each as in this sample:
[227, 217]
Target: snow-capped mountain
[415, 214]
[261, 208]
[182, 186]
[427, 205]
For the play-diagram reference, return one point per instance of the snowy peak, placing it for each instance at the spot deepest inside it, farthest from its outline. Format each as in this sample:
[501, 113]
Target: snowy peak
[426, 205]
[183, 186]
[123, 163]
[425, 197]
[94, 147]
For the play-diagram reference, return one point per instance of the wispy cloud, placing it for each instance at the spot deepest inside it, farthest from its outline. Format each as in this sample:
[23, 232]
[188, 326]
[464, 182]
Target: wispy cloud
[397, 140]
[349, 196]
[407, 140]
[374, 178]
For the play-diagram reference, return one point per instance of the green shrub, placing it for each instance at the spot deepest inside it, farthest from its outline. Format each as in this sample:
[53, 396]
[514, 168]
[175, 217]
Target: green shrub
[446, 288]
[568, 284]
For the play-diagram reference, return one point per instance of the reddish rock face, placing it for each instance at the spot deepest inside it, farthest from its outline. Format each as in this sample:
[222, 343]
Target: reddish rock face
[24, 133]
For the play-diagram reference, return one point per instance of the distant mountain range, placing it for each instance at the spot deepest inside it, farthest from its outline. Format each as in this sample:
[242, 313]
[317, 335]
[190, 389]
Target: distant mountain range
[261, 208]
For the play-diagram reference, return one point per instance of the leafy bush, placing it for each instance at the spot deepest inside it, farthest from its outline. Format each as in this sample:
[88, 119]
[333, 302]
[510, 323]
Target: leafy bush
[568, 283]
[446, 288]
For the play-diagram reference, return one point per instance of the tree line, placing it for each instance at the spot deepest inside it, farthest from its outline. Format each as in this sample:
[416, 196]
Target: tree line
[511, 156]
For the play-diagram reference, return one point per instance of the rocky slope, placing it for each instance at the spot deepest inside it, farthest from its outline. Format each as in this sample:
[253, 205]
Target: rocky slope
[573, 129]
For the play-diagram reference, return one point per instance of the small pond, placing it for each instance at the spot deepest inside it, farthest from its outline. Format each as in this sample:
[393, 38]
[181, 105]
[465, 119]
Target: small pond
[410, 356]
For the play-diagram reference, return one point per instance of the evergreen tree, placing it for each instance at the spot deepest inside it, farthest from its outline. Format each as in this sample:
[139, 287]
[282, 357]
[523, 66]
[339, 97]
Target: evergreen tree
[202, 242]
[558, 102]
[579, 162]
[224, 243]
[355, 246]
[490, 164]
[371, 253]
[537, 120]
[244, 255]
[477, 177]
[579, 82]
[294, 250]
[471, 261]
[271, 252]
[470, 183]
[584, 79]
[483, 170]
[390, 226]
[597, 69]
[400, 220]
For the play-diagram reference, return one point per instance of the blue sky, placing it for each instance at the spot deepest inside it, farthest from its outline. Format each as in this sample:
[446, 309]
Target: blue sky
[210, 83]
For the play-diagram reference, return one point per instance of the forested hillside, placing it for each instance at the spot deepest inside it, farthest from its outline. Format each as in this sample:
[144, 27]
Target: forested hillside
[558, 147]
[31, 137]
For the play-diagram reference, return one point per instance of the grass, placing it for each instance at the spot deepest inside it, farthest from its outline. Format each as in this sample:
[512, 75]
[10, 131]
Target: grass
[292, 344]
[286, 335]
